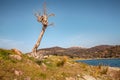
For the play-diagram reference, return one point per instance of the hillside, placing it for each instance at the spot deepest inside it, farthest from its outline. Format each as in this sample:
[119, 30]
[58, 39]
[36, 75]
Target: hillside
[17, 66]
[102, 51]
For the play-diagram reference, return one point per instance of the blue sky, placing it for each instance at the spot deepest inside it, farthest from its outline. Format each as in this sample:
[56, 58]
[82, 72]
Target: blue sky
[84, 23]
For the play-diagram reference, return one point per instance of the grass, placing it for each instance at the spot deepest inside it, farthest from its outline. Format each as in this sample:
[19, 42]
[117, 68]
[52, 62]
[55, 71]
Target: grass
[52, 68]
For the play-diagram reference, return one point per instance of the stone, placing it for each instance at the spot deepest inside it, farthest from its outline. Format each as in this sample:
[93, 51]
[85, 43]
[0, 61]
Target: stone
[88, 77]
[44, 67]
[70, 78]
[18, 52]
[17, 57]
[18, 73]
[27, 78]
[45, 57]
[114, 72]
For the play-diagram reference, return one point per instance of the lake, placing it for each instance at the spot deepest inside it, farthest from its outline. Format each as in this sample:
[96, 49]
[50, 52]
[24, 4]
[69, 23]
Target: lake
[107, 62]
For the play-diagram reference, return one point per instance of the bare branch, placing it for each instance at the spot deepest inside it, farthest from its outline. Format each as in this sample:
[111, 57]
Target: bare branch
[51, 15]
[44, 20]
[45, 9]
[51, 24]
[39, 13]
[36, 14]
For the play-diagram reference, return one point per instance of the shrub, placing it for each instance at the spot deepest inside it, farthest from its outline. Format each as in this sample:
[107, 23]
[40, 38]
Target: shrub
[62, 61]
[38, 62]
[104, 70]
[4, 54]
[43, 75]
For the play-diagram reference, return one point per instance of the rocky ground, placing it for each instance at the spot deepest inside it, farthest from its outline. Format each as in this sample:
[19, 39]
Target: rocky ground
[17, 66]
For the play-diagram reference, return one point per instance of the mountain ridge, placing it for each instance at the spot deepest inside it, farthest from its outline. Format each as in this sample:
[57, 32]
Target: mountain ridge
[100, 51]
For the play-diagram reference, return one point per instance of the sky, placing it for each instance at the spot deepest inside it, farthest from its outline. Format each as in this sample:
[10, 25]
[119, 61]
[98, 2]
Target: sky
[83, 23]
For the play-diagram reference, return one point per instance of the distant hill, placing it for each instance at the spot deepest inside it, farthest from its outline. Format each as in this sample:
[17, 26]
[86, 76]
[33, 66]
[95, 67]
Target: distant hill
[101, 51]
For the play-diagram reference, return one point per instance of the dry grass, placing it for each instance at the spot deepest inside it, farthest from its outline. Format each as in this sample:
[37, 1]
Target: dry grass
[54, 68]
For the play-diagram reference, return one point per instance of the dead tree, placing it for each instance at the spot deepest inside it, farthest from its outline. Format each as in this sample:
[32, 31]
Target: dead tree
[44, 20]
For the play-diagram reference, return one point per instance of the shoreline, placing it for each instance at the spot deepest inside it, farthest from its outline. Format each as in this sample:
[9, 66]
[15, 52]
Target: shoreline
[89, 62]
[94, 58]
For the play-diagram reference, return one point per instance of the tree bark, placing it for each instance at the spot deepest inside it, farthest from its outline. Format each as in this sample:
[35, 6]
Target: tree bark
[34, 50]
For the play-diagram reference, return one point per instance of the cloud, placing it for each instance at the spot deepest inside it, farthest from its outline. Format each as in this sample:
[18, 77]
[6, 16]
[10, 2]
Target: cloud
[90, 40]
[9, 44]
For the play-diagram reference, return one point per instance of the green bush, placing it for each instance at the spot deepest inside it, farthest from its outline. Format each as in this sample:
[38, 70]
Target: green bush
[43, 75]
[5, 53]
[62, 61]
[104, 70]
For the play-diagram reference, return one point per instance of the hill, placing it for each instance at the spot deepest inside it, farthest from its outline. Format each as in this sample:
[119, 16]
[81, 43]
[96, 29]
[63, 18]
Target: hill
[102, 51]
[14, 66]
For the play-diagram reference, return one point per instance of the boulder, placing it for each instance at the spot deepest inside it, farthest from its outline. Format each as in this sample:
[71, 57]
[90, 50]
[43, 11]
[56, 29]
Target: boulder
[17, 57]
[18, 73]
[114, 72]
[45, 57]
[44, 67]
[27, 78]
[18, 52]
[70, 78]
[88, 77]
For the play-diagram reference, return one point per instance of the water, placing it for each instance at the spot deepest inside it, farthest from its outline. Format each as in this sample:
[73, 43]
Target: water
[106, 62]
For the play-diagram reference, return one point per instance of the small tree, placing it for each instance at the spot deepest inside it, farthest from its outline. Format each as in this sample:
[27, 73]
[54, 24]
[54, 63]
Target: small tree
[44, 20]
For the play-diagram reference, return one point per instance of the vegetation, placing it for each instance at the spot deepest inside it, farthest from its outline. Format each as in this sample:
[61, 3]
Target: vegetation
[51, 68]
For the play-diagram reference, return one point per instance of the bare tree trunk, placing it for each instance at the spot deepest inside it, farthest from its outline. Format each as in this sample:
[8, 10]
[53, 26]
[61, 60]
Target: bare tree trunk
[34, 50]
[44, 20]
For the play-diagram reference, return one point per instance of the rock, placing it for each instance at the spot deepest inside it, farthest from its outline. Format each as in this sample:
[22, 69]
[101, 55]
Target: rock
[17, 57]
[44, 67]
[70, 78]
[45, 57]
[18, 52]
[27, 78]
[114, 73]
[29, 54]
[88, 77]
[39, 56]
[80, 79]
[18, 73]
